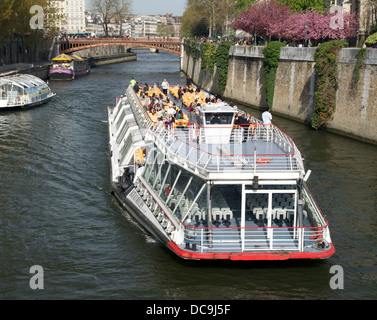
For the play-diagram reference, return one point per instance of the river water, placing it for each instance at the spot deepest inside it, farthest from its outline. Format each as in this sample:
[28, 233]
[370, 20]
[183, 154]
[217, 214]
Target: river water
[57, 211]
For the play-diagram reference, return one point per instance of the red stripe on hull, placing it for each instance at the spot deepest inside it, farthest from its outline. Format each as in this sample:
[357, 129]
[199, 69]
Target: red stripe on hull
[244, 256]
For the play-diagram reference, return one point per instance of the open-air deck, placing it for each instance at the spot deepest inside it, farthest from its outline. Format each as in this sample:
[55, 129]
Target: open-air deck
[222, 148]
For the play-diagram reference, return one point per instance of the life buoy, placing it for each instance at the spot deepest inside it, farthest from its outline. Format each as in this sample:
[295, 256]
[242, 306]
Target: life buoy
[263, 161]
[316, 235]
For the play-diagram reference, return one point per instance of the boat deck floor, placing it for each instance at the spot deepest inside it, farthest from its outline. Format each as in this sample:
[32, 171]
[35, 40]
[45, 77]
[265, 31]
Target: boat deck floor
[230, 155]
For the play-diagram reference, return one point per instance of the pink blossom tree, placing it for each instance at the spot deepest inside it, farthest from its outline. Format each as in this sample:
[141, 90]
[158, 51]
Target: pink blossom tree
[261, 17]
[294, 27]
[347, 30]
[270, 18]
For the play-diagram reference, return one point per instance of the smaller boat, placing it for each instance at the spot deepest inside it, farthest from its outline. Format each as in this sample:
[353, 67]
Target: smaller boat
[23, 91]
[68, 67]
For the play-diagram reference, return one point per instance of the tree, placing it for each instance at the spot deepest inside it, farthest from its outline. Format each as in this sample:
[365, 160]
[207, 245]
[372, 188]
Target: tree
[121, 9]
[242, 5]
[111, 9]
[6, 9]
[270, 18]
[162, 29]
[206, 17]
[15, 25]
[319, 26]
[305, 5]
[261, 18]
[194, 19]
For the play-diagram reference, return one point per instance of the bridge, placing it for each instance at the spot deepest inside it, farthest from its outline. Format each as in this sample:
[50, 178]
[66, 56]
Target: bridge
[172, 45]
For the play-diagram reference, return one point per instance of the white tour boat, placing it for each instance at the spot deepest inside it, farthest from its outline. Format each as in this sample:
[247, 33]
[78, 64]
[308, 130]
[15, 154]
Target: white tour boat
[23, 91]
[210, 189]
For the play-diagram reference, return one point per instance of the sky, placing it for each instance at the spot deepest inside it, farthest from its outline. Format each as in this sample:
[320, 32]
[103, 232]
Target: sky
[152, 7]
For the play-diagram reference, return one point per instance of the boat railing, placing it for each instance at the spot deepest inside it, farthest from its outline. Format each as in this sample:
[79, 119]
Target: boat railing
[223, 239]
[236, 239]
[251, 132]
[143, 120]
[14, 100]
[314, 209]
[222, 157]
[159, 211]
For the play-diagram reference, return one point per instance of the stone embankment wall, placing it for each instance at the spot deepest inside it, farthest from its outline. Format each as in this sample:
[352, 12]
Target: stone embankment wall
[192, 68]
[106, 55]
[294, 96]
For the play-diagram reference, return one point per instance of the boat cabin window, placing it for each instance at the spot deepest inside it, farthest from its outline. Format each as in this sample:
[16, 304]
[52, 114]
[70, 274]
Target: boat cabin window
[182, 192]
[218, 118]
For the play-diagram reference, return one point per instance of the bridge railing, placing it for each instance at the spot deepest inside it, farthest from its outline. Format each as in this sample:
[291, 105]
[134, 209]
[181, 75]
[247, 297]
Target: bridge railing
[76, 44]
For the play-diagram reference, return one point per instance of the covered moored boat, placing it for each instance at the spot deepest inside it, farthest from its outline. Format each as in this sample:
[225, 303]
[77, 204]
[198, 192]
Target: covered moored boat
[68, 67]
[23, 91]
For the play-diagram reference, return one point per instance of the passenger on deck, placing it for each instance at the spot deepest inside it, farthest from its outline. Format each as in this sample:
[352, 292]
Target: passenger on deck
[147, 101]
[207, 97]
[242, 121]
[267, 117]
[167, 121]
[136, 87]
[193, 106]
[165, 86]
[179, 115]
[180, 93]
[171, 112]
[196, 95]
[215, 119]
[160, 113]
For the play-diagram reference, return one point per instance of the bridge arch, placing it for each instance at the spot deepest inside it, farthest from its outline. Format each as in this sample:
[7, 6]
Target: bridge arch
[73, 45]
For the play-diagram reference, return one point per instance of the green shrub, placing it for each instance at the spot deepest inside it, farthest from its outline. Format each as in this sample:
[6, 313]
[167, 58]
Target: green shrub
[222, 62]
[360, 59]
[190, 47]
[326, 58]
[212, 54]
[270, 64]
[372, 38]
[207, 53]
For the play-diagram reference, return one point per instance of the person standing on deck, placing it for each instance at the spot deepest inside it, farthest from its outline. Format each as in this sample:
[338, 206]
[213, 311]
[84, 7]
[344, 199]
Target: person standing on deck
[165, 86]
[132, 82]
[136, 87]
[267, 117]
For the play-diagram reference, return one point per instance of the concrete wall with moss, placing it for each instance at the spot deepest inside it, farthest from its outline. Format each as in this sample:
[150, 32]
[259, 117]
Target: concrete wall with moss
[192, 68]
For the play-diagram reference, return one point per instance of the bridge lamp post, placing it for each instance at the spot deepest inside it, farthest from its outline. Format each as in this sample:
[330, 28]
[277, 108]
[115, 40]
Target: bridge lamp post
[306, 29]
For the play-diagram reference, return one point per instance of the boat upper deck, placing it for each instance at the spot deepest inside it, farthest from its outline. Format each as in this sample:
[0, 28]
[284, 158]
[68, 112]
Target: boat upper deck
[220, 149]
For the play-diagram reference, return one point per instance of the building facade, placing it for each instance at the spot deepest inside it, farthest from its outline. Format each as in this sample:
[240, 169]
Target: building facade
[135, 26]
[367, 10]
[74, 12]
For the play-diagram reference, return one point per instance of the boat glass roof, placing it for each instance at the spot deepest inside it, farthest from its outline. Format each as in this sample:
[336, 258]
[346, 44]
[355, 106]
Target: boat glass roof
[23, 81]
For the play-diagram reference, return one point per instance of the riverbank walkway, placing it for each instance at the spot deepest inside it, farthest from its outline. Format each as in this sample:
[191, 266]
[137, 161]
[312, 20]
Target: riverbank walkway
[10, 69]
